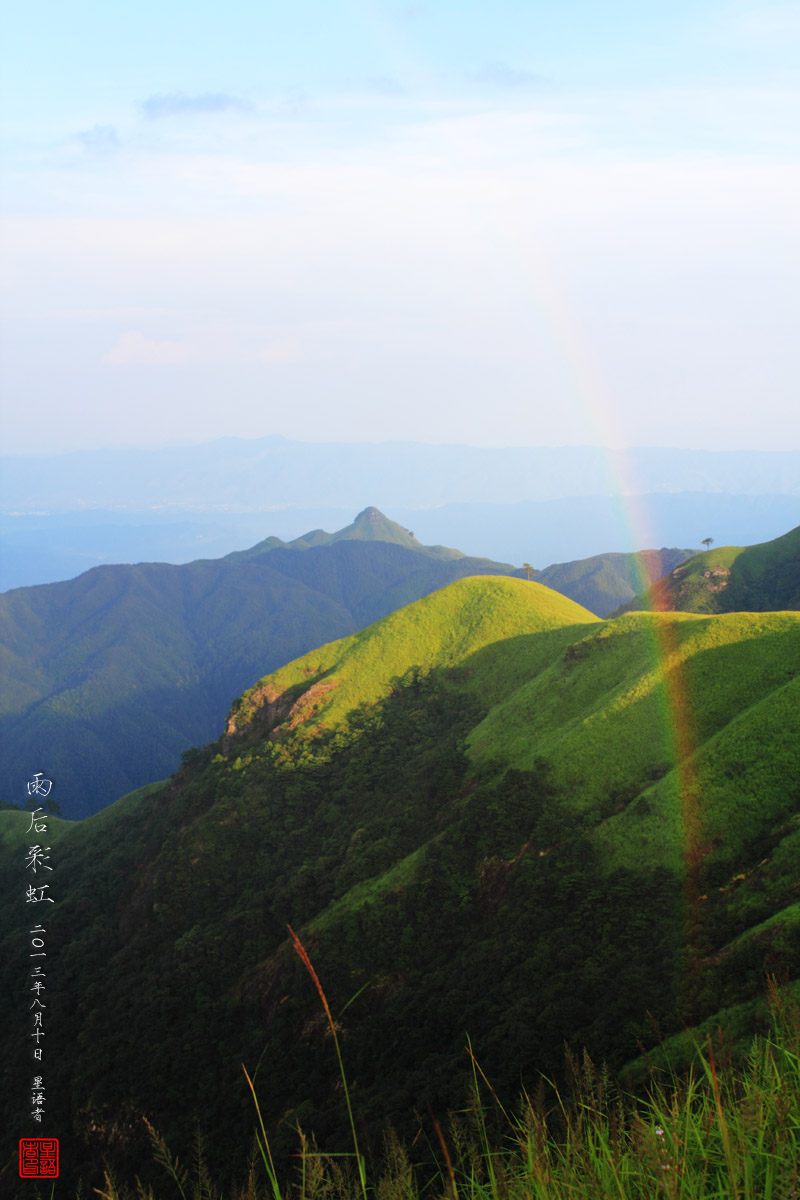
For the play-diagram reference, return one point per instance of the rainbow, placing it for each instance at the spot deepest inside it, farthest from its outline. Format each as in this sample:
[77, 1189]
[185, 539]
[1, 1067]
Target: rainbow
[599, 417]
[663, 630]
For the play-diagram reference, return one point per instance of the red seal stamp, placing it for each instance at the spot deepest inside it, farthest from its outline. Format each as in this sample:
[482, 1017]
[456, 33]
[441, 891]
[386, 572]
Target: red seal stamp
[38, 1158]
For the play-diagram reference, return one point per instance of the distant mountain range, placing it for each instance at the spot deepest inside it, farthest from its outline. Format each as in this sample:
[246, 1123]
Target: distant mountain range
[63, 514]
[488, 815]
[261, 473]
[51, 547]
[107, 678]
[763, 578]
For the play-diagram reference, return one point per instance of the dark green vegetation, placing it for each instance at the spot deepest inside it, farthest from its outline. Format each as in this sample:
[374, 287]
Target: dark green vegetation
[764, 578]
[720, 1131]
[478, 817]
[106, 679]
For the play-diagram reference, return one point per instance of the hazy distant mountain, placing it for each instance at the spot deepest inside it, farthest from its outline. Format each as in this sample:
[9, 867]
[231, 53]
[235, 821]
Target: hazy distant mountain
[49, 547]
[478, 817]
[579, 527]
[763, 578]
[235, 473]
[369, 526]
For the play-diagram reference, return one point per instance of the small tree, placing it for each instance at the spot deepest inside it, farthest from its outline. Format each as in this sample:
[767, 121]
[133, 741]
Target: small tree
[708, 543]
[527, 567]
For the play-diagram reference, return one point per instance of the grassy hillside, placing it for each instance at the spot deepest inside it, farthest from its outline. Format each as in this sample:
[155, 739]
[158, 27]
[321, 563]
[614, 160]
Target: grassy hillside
[764, 578]
[481, 819]
[441, 630]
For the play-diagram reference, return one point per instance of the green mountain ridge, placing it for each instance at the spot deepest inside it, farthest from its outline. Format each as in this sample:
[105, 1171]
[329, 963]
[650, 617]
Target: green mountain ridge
[489, 812]
[762, 578]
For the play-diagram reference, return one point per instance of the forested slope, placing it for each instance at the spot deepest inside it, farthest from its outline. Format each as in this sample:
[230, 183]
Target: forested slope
[488, 814]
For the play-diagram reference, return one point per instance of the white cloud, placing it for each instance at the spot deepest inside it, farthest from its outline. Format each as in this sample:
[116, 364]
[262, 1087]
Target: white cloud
[134, 349]
[768, 22]
[385, 85]
[178, 104]
[100, 139]
[501, 74]
[493, 254]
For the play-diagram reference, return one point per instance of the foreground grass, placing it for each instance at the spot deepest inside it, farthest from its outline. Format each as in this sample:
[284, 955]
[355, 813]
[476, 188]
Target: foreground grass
[720, 1132]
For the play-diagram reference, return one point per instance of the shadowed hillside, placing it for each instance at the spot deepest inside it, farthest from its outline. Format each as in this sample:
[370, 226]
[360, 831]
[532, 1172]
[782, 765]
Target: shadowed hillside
[606, 581]
[475, 814]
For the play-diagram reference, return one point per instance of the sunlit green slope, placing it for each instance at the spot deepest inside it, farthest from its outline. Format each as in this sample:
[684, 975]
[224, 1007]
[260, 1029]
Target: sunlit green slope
[441, 630]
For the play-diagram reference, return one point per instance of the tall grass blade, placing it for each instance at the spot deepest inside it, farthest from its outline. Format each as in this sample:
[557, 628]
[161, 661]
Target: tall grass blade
[263, 1145]
[303, 956]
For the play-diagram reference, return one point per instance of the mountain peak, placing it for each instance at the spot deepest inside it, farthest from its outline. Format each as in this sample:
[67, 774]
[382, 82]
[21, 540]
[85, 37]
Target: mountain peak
[371, 514]
[372, 525]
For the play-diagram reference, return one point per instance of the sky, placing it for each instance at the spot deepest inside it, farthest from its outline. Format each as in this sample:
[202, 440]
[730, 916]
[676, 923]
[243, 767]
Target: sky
[492, 223]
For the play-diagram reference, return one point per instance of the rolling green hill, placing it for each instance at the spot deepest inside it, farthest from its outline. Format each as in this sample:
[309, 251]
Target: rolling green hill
[764, 578]
[490, 813]
[107, 678]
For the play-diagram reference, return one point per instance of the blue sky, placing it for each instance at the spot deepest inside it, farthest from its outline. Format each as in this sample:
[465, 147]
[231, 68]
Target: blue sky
[496, 223]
